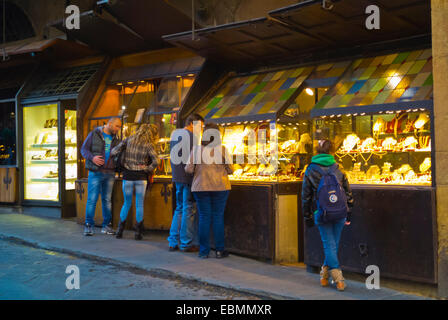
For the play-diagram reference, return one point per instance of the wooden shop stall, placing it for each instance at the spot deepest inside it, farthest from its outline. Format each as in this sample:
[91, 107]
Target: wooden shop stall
[12, 78]
[34, 76]
[263, 217]
[306, 35]
[379, 116]
[149, 93]
[48, 126]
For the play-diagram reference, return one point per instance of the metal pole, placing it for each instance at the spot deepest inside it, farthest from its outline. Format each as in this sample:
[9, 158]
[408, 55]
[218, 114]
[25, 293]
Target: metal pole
[192, 20]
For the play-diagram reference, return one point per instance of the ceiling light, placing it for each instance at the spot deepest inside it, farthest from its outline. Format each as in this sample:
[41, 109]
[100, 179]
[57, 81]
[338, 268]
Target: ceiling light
[309, 91]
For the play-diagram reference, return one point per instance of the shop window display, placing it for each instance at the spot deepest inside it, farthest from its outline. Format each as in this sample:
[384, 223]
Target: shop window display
[388, 148]
[149, 101]
[8, 135]
[41, 145]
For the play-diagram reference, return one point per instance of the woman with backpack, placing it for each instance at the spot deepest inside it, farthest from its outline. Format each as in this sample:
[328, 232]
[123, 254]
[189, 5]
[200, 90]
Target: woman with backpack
[139, 160]
[326, 202]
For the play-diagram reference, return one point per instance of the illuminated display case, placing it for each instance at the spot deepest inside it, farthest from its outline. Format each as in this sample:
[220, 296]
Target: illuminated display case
[278, 102]
[378, 116]
[391, 148]
[42, 152]
[148, 101]
[294, 150]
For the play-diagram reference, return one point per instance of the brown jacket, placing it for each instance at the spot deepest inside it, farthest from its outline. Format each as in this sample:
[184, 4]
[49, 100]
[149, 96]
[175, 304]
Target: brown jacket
[209, 177]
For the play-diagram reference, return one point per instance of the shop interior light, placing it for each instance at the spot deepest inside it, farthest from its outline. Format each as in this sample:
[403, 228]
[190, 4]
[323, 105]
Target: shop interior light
[191, 74]
[355, 114]
[130, 82]
[163, 119]
[119, 84]
[309, 91]
[348, 115]
[409, 110]
[395, 81]
[252, 122]
[178, 76]
[415, 110]
[123, 107]
[238, 123]
[363, 114]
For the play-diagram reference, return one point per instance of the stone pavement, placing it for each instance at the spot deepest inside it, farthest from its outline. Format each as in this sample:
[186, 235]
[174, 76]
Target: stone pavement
[238, 273]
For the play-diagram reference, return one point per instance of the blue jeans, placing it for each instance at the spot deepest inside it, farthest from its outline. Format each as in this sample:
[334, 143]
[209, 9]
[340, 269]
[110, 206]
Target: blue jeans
[128, 191]
[99, 182]
[330, 234]
[211, 207]
[184, 224]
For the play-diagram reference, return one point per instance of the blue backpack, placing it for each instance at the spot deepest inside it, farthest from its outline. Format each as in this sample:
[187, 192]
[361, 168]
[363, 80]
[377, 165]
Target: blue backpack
[331, 199]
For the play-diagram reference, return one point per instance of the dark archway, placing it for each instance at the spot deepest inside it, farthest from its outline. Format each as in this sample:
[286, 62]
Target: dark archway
[17, 26]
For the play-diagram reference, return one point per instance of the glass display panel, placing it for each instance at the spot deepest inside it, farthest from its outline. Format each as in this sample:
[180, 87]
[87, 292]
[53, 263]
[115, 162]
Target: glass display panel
[391, 148]
[146, 102]
[71, 153]
[294, 150]
[7, 134]
[40, 134]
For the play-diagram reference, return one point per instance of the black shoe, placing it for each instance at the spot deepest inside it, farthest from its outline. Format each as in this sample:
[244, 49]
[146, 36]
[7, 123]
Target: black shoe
[171, 249]
[139, 231]
[120, 229]
[203, 256]
[222, 254]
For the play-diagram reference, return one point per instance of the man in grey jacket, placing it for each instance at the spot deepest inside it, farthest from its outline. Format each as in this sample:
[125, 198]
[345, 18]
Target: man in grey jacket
[96, 150]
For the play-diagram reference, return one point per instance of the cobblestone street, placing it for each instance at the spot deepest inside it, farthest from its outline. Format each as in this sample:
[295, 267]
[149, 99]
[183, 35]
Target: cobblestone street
[29, 273]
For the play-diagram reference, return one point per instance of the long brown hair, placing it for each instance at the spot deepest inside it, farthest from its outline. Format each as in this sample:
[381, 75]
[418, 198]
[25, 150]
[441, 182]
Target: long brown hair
[146, 134]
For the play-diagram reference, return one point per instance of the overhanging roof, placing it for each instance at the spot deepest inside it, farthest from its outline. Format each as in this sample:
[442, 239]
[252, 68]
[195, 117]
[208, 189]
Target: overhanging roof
[126, 26]
[344, 25]
[253, 42]
[306, 29]
[60, 47]
[149, 19]
[158, 70]
[59, 82]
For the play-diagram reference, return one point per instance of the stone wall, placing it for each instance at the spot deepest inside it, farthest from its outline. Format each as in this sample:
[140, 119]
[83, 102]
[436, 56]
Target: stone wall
[42, 12]
[439, 10]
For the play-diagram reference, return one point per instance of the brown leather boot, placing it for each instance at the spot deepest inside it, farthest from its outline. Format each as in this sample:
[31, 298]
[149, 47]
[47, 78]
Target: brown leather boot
[336, 275]
[324, 276]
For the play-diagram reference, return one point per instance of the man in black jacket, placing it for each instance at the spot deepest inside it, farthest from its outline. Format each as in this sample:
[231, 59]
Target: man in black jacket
[96, 150]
